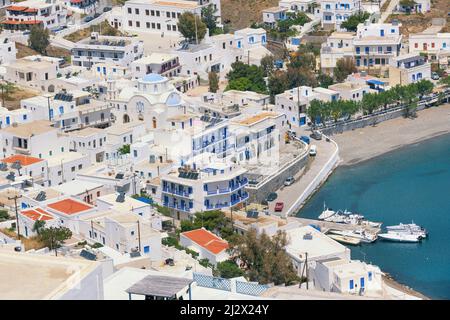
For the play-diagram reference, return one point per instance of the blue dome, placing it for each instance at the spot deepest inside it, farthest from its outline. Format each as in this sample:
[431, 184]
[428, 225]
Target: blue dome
[153, 77]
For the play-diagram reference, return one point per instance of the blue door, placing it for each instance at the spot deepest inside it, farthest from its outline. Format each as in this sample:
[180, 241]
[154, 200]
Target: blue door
[362, 282]
[352, 285]
[382, 33]
[8, 120]
[147, 249]
[302, 121]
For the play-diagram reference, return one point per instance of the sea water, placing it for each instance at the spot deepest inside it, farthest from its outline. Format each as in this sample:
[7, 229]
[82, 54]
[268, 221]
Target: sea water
[410, 184]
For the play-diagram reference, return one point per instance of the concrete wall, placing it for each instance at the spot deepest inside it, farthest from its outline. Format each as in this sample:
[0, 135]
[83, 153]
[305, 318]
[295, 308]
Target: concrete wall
[260, 193]
[317, 182]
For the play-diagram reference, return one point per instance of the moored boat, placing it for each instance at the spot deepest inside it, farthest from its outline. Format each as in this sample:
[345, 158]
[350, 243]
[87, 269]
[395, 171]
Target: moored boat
[345, 240]
[410, 228]
[399, 237]
[358, 234]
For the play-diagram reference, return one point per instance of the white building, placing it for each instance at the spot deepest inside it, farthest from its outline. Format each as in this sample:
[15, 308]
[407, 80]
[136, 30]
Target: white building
[376, 44]
[152, 15]
[432, 42]
[339, 45]
[90, 141]
[22, 16]
[97, 49]
[28, 218]
[164, 64]
[335, 274]
[408, 68]
[82, 6]
[12, 117]
[420, 6]
[293, 103]
[307, 243]
[334, 12]
[213, 187]
[123, 232]
[272, 15]
[351, 90]
[8, 50]
[207, 244]
[85, 191]
[299, 5]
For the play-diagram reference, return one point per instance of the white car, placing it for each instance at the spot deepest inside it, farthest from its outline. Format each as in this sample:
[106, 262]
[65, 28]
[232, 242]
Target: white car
[289, 181]
[313, 150]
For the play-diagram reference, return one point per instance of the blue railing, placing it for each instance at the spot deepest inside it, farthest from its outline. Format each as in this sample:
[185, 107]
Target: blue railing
[252, 289]
[178, 207]
[177, 192]
[206, 281]
[236, 186]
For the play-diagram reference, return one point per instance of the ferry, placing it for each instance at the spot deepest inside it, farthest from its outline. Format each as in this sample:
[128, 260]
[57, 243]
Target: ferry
[410, 228]
[360, 234]
[399, 237]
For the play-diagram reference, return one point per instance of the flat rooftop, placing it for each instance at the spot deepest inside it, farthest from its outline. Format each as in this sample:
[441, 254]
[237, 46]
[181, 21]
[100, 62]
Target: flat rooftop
[248, 121]
[38, 277]
[319, 245]
[30, 128]
[77, 187]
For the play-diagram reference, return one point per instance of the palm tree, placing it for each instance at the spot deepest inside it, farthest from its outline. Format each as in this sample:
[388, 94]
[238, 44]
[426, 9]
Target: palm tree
[38, 226]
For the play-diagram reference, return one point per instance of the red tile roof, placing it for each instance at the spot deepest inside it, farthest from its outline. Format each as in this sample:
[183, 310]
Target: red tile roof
[69, 206]
[24, 160]
[16, 8]
[207, 240]
[37, 214]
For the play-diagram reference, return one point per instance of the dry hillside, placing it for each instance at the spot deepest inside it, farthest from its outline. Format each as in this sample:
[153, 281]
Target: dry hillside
[414, 23]
[241, 13]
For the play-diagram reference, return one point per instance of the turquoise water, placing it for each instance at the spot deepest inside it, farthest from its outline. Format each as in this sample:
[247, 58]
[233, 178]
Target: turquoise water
[412, 183]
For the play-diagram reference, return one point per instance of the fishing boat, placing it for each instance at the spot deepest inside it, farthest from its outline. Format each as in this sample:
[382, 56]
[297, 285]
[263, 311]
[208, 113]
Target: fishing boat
[358, 234]
[410, 228]
[399, 237]
[326, 213]
[345, 240]
[345, 217]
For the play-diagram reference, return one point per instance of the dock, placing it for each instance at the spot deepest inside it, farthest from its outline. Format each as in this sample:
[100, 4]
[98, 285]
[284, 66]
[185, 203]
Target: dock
[326, 226]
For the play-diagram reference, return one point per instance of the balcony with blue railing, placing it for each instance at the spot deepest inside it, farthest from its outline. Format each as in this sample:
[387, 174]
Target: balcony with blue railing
[239, 184]
[181, 193]
[177, 207]
[240, 199]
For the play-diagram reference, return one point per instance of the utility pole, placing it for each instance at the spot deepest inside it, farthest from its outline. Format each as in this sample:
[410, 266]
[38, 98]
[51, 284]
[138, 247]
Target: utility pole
[17, 214]
[139, 235]
[306, 264]
[248, 57]
[92, 229]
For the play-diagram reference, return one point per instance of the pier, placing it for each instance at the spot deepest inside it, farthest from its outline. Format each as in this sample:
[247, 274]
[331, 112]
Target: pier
[326, 226]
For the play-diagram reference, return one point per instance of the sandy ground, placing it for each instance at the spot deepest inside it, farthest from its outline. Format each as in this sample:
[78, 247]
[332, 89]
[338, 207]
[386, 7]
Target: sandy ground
[365, 143]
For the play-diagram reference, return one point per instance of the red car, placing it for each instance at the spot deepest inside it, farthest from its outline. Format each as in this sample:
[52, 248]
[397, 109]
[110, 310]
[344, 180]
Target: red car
[279, 206]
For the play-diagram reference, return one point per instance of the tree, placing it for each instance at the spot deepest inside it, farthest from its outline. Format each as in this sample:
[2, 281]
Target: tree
[4, 215]
[39, 39]
[229, 269]
[264, 259]
[424, 87]
[267, 64]
[351, 24]
[209, 18]
[277, 83]
[344, 67]
[6, 89]
[314, 110]
[241, 84]
[213, 80]
[38, 226]
[125, 149]
[54, 237]
[408, 5]
[191, 27]
[324, 80]
[246, 77]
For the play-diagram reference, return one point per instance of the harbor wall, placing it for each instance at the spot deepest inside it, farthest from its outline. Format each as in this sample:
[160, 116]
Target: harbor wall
[275, 182]
[316, 182]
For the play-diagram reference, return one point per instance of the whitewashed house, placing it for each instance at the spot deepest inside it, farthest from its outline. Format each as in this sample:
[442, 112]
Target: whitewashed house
[208, 245]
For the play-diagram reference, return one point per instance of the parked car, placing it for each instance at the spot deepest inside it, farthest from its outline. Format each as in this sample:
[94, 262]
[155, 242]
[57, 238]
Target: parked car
[289, 181]
[292, 134]
[316, 135]
[106, 9]
[279, 206]
[88, 18]
[434, 76]
[272, 196]
[313, 150]
[305, 139]
[96, 15]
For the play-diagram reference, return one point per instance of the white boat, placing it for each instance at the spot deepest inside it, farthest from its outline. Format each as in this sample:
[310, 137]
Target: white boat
[345, 217]
[399, 237]
[410, 228]
[345, 240]
[358, 234]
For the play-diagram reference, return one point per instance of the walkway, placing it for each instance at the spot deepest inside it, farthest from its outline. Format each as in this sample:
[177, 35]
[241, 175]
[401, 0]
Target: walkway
[289, 195]
[389, 10]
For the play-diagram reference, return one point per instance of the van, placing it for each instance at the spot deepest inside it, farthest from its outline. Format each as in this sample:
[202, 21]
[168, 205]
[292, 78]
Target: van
[313, 150]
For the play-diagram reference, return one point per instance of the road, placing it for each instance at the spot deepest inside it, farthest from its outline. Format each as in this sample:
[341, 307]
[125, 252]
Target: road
[389, 10]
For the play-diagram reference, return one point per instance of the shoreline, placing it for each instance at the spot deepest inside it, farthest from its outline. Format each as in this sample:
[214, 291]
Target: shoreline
[368, 143]
[359, 145]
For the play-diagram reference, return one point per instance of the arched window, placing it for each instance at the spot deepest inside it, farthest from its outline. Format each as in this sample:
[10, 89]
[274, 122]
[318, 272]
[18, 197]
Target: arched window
[126, 118]
[154, 122]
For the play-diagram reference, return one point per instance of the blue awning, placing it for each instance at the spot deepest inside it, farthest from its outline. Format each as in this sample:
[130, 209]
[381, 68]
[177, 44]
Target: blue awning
[377, 82]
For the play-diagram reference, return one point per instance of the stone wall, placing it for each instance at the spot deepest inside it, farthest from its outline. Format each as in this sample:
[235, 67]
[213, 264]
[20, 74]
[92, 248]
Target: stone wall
[260, 193]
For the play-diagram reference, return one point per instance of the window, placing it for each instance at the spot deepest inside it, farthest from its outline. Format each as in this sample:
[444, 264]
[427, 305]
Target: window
[157, 13]
[129, 10]
[59, 173]
[168, 14]
[80, 166]
[138, 24]
[432, 44]
[132, 233]
[130, 23]
[158, 25]
[148, 27]
[169, 27]
[136, 11]
[152, 12]
[416, 45]
[147, 12]
[72, 169]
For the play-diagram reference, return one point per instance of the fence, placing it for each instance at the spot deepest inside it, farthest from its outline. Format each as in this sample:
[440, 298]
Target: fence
[251, 289]
[203, 280]
[247, 288]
